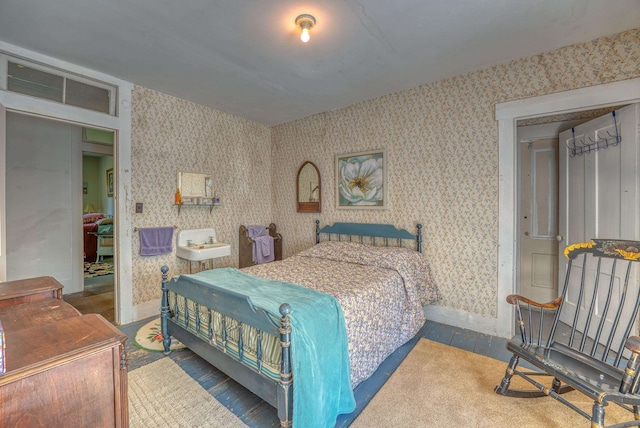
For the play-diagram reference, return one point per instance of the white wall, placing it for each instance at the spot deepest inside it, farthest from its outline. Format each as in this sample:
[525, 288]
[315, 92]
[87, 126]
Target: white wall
[91, 175]
[44, 191]
[94, 173]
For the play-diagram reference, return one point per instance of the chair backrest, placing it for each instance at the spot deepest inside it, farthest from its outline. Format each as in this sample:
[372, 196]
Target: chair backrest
[600, 298]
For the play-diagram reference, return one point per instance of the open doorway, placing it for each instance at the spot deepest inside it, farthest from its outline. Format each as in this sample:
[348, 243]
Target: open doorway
[541, 234]
[508, 114]
[98, 221]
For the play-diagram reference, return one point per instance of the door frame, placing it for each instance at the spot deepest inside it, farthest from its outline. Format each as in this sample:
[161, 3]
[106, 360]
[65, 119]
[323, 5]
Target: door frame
[121, 125]
[507, 115]
[3, 193]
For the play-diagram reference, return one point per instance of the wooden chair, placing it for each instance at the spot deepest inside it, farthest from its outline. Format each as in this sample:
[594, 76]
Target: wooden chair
[587, 346]
[105, 238]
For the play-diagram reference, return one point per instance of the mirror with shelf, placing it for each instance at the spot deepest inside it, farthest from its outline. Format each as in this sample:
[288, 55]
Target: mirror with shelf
[308, 190]
[195, 185]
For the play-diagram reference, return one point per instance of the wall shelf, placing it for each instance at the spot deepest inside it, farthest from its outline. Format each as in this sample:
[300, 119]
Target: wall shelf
[211, 207]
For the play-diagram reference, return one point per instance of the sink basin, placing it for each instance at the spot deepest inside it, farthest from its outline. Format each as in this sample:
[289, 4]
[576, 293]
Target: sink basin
[203, 251]
[200, 244]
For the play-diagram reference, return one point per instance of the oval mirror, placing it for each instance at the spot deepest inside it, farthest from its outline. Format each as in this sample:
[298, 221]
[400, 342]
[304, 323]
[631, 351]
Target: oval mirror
[308, 194]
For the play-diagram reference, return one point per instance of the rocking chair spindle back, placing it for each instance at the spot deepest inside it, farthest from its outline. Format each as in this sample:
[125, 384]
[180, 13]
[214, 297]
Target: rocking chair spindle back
[582, 338]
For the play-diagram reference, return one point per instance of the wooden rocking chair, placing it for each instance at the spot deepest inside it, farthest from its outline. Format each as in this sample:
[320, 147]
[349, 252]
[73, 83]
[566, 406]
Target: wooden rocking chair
[591, 323]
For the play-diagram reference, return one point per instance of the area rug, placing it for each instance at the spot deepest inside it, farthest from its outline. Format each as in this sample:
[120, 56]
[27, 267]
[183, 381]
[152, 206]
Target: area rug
[161, 394]
[149, 337]
[97, 269]
[442, 386]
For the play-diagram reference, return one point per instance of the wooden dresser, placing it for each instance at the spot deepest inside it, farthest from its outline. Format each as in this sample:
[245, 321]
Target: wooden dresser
[62, 368]
[29, 290]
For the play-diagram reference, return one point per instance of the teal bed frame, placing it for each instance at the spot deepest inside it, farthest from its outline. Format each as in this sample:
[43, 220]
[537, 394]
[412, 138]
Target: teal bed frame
[376, 232]
[278, 393]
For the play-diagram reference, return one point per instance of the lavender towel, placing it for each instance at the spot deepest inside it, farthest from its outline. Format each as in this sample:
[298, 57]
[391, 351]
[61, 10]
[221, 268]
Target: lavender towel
[262, 251]
[255, 231]
[156, 240]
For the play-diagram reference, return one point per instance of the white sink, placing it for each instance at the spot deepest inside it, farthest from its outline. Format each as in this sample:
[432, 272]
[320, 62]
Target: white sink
[200, 252]
[200, 244]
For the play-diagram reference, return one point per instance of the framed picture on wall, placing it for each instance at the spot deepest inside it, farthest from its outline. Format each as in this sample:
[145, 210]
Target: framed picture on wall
[361, 180]
[110, 182]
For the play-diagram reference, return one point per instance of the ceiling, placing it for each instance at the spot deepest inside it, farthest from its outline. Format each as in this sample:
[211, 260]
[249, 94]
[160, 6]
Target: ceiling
[245, 57]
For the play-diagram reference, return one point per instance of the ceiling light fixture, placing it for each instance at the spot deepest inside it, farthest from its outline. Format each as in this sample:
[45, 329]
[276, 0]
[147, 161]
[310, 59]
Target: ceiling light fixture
[306, 23]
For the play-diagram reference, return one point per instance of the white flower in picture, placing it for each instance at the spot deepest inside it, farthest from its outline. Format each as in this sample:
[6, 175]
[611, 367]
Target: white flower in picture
[360, 180]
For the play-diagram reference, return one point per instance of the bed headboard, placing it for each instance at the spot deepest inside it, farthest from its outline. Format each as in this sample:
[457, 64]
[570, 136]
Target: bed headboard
[374, 231]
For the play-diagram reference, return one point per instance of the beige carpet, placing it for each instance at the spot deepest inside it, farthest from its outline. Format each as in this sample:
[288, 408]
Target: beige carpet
[161, 394]
[442, 386]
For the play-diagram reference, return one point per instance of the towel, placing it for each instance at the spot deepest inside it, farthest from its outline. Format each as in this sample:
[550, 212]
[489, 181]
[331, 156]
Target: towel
[156, 240]
[262, 250]
[254, 231]
[319, 346]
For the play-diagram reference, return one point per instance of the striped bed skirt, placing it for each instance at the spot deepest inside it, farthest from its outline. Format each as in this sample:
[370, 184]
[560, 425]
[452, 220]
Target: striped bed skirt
[256, 349]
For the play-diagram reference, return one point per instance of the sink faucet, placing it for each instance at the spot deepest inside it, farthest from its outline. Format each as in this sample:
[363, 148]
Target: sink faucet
[189, 242]
[211, 240]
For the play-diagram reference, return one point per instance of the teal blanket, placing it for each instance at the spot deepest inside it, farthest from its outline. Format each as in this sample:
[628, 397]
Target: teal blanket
[319, 353]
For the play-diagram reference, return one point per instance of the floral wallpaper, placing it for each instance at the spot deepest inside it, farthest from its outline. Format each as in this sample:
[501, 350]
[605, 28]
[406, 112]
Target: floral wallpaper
[441, 142]
[442, 147]
[170, 135]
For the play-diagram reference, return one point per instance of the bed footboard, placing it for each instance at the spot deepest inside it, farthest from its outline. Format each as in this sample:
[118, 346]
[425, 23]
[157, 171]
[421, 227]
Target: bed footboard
[228, 331]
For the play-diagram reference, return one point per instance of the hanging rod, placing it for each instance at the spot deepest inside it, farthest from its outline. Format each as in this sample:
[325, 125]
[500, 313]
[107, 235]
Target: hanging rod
[581, 147]
[137, 229]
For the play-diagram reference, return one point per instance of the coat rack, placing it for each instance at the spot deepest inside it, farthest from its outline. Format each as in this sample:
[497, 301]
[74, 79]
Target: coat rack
[580, 147]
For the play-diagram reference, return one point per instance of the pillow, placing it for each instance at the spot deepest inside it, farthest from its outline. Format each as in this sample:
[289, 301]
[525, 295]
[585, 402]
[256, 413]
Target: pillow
[91, 217]
[411, 265]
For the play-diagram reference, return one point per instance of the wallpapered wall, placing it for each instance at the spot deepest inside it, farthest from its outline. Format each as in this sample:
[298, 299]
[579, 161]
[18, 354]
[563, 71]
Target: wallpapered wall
[442, 148]
[171, 135]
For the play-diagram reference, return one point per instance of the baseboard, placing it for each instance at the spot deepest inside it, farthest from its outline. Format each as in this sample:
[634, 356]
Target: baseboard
[146, 310]
[469, 321]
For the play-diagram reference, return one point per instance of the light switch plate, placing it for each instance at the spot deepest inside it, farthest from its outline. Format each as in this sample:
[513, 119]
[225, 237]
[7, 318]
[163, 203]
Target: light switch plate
[139, 207]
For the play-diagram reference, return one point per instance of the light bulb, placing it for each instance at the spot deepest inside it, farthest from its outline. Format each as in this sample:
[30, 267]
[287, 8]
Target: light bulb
[304, 36]
[305, 23]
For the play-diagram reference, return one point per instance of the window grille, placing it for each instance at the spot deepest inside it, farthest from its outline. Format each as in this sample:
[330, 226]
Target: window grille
[44, 82]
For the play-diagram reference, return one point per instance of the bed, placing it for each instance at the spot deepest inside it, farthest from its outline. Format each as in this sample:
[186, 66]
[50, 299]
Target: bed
[301, 333]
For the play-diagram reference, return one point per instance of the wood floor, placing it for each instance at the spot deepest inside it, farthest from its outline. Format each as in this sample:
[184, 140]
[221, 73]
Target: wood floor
[258, 414]
[96, 298]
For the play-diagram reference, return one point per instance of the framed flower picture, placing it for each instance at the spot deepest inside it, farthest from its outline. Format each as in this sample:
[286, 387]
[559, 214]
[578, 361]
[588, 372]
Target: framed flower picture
[110, 182]
[361, 180]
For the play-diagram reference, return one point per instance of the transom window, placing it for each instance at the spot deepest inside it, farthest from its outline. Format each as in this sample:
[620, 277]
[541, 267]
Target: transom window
[48, 83]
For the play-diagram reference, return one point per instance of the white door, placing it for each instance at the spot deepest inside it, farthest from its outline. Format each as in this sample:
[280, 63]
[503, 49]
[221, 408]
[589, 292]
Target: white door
[538, 222]
[43, 200]
[3, 192]
[598, 188]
